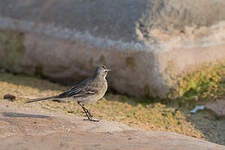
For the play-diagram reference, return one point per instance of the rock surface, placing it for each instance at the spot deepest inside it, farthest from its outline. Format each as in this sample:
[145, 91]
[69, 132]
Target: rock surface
[218, 107]
[142, 41]
[24, 128]
[118, 19]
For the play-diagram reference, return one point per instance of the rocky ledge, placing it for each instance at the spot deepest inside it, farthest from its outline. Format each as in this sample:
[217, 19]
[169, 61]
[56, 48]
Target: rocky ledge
[26, 128]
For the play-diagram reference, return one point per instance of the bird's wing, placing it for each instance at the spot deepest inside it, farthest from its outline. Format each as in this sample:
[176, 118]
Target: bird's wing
[85, 92]
[73, 91]
[80, 90]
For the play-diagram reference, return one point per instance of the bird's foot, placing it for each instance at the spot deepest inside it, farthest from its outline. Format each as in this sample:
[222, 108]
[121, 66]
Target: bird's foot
[90, 119]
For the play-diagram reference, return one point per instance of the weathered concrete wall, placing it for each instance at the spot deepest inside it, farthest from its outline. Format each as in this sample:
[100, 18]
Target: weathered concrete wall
[140, 40]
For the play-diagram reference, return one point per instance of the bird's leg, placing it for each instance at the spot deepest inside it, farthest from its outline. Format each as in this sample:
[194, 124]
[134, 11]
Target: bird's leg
[85, 110]
[88, 114]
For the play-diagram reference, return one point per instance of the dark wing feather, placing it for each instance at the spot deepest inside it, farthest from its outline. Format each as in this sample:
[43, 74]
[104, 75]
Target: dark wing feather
[73, 91]
[79, 90]
[86, 92]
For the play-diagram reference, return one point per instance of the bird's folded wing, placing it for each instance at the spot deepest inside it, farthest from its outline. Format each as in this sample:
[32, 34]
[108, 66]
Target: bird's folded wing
[78, 92]
[70, 92]
[86, 92]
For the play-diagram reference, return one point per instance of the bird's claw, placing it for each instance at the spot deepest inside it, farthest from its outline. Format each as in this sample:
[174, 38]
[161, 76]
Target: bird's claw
[90, 119]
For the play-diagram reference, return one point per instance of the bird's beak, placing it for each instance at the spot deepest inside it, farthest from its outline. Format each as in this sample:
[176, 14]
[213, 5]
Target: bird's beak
[107, 70]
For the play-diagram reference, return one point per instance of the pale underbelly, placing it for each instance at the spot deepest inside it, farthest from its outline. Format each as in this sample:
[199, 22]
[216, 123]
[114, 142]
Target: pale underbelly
[89, 99]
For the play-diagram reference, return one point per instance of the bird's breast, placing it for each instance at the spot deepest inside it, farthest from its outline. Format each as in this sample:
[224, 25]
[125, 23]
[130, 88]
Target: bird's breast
[102, 89]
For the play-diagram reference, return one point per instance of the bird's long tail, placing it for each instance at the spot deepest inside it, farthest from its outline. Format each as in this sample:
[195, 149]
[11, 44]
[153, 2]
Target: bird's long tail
[41, 99]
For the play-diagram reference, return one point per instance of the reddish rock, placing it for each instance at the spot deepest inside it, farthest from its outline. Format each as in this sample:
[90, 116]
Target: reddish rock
[26, 128]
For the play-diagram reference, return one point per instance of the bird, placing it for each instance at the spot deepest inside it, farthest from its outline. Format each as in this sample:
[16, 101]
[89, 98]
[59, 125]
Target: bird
[88, 91]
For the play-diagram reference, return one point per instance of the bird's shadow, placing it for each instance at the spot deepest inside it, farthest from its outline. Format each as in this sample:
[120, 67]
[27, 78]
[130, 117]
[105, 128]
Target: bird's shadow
[22, 115]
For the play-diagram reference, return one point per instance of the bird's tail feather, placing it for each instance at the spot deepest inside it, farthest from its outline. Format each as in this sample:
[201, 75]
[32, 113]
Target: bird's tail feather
[40, 99]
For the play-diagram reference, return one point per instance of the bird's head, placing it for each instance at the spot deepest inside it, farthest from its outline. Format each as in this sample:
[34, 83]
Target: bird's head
[101, 71]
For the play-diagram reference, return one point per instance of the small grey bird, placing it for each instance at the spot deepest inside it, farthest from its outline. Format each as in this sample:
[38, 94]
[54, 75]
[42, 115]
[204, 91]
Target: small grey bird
[87, 91]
